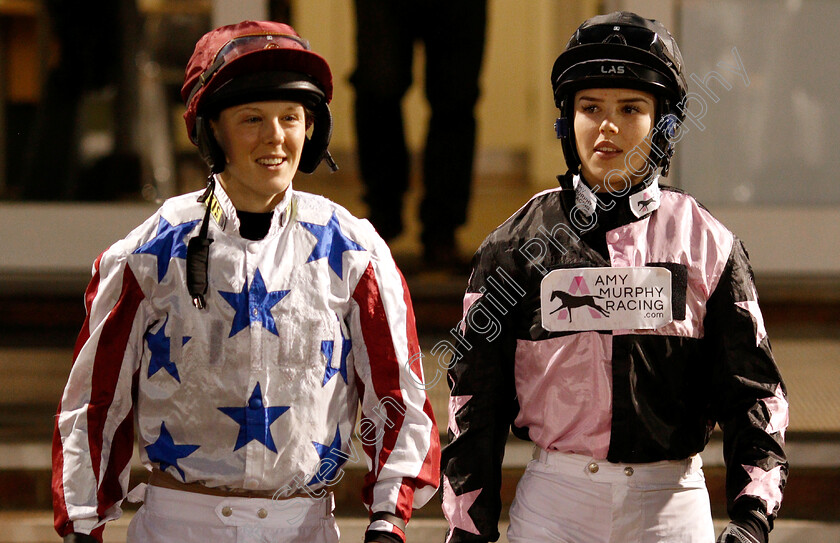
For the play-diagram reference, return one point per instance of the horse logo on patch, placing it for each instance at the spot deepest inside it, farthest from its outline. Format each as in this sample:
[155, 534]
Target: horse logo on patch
[569, 301]
[646, 201]
[643, 204]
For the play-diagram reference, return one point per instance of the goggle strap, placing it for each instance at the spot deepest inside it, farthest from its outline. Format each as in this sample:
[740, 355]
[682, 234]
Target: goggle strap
[219, 60]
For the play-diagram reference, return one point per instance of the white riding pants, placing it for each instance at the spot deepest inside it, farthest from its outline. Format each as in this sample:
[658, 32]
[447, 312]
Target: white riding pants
[570, 498]
[175, 516]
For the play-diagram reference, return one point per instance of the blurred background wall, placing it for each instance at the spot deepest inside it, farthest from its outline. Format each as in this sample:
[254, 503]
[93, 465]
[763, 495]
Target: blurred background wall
[92, 114]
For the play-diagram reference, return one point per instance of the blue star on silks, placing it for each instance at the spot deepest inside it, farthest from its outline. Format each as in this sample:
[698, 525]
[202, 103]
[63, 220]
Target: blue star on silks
[167, 244]
[327, 349]
[331, 244]
[255, 420]
[332, 458]
[159, 347]
[254, 305]
[166, 453]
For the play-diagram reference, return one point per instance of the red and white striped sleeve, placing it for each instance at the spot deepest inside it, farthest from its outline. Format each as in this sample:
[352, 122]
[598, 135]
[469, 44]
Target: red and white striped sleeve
[94, 434]
[398, 430]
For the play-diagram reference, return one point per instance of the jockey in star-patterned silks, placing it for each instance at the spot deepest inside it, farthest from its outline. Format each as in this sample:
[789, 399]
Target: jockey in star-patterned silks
[258, 389]
[238, 331]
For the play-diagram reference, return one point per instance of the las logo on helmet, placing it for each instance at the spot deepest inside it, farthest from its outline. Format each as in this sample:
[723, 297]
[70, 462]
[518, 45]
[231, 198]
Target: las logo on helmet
[612, 69]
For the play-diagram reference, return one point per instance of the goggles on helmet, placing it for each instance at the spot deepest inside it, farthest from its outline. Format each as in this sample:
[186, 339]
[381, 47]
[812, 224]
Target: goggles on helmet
[243, 45]
[628, 35]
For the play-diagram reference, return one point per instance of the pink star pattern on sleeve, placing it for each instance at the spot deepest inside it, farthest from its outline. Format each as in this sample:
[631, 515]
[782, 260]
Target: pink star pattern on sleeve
[456, 509]
[758, 319]
[777, 405]
[469, 299]
[764, 485]
[455, 405]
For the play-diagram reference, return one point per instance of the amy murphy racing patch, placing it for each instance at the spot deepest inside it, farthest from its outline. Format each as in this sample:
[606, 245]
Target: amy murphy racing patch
[581, 299]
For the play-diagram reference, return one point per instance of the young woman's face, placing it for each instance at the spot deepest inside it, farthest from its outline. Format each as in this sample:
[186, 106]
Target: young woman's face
[609, 124]
[262, 142]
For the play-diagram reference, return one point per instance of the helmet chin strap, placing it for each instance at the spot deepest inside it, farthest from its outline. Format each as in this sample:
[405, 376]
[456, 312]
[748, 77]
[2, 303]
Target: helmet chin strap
[198, 251]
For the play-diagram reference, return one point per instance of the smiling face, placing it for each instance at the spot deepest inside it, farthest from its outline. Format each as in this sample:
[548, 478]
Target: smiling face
[609, 124]
[262, 142]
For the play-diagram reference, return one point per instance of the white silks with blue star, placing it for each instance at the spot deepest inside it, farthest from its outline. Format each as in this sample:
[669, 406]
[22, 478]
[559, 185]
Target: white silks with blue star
[260, 390]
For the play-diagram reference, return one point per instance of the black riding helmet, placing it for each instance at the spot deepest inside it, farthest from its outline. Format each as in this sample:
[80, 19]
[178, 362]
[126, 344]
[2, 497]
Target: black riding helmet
[621, 50]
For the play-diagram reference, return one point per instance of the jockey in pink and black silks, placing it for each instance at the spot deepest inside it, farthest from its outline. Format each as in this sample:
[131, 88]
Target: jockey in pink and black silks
[614, 322]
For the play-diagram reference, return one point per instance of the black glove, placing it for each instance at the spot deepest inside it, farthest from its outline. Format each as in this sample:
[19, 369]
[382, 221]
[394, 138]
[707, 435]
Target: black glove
[79, 538]
[747, 530]
[375, 536]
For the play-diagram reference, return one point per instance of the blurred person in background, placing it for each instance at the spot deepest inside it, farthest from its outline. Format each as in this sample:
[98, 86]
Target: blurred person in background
[453, 36]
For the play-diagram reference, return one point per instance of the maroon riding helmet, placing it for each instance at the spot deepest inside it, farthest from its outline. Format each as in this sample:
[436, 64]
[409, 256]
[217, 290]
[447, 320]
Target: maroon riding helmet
[256, 61]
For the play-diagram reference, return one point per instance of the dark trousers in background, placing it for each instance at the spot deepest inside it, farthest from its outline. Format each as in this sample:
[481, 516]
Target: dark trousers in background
[453, 34]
